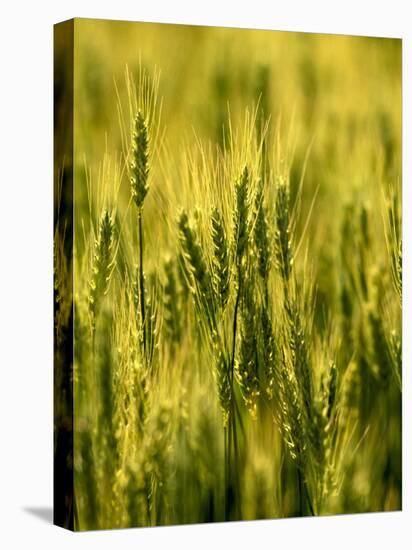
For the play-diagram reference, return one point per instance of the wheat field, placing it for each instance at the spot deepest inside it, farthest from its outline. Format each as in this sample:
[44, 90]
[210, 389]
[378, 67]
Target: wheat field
[237, 275]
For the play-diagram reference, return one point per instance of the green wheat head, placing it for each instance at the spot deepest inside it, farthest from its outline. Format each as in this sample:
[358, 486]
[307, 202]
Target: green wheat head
[282, 236]
[247, 360]
[140, 161]
[240, 216]
[221, 268]
[102, 263]
[261, 236]
[201, 283]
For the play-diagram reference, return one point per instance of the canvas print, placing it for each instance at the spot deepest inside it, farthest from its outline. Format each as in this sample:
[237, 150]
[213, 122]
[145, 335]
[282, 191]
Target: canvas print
[228, 274]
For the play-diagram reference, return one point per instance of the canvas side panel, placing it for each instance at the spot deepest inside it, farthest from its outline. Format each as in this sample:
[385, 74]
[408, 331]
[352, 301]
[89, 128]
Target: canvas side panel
[63, 275]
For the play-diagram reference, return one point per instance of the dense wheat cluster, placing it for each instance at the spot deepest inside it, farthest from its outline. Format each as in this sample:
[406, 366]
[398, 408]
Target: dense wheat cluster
[237, 275]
